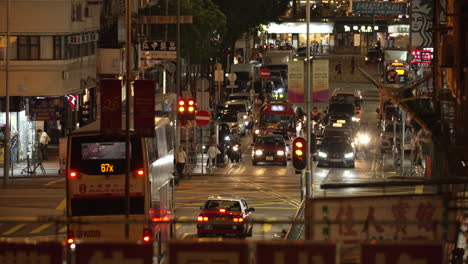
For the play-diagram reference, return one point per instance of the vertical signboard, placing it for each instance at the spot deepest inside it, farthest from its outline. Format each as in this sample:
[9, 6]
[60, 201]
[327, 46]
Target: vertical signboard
[144, 107]
[189, 252]
[320, 85]
[296, 81]
[401, 254]
[421, 24]
[360, 219]
[50, 253]
[280, 252]
[111, 106]
[114, 253]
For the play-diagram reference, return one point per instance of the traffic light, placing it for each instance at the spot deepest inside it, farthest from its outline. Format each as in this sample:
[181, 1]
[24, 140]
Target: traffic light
[299, 155]
[191, 109]
[186, 109]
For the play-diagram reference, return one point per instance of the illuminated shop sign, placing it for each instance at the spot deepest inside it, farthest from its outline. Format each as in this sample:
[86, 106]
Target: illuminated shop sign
[381, 8]
[277, 108]
[343, 28]
[422, 56]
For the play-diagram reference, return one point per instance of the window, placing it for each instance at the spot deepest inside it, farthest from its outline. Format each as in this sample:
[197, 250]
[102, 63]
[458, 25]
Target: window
[28, 47]
[58, 48]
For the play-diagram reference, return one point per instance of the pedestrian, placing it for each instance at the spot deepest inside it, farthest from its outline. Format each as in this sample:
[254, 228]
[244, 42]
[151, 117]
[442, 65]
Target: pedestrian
[181, 159]
[44, 140]
[212, 152]
[352, 65]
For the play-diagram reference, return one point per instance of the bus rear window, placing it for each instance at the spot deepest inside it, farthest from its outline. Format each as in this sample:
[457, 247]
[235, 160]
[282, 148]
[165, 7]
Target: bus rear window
[89, 153]
[103, 150]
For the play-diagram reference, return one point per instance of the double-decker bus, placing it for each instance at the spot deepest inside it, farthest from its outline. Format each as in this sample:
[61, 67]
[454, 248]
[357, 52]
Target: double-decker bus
[276, 117]
[96, 176]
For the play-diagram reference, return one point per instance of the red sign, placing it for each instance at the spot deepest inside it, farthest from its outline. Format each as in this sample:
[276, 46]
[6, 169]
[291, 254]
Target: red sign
[111, 107]
[88, 253]
[265, 73]
[203, 118]
[190, 252]
[50, 253]
[144, 104]
[295, 252]
[401, 254]
[422, 56]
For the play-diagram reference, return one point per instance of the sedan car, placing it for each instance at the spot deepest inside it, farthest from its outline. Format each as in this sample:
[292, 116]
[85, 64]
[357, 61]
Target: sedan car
[225, 215]
[336, 151]
[269, 148]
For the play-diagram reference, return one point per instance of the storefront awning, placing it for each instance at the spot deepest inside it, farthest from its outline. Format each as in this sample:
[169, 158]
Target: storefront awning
[300, 27]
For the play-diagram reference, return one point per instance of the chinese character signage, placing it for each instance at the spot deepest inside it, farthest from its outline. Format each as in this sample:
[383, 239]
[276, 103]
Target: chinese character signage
[158, 50]
[106, 188]
[380, 8]
[396, 218]
[421, 56]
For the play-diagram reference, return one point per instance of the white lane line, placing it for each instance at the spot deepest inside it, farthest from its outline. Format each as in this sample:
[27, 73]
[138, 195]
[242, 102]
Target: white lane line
[40, 228]
[13, 229]
[52, 182]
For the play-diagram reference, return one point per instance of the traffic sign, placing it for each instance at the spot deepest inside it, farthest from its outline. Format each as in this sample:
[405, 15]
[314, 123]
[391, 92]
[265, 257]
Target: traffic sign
[203, 118]
[232, 77]
[265, 73]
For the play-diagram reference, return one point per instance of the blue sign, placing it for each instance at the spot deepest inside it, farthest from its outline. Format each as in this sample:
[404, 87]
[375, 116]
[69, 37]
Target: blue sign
[380, 8]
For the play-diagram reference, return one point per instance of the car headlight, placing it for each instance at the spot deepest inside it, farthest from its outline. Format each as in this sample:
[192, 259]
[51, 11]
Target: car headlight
[280, 153]
[257, 131]
[322, 154]
[235, 148]
[258, 152]
[349, 155]
[244, 117]
[355, 119]
[226, 138]
[363, 139]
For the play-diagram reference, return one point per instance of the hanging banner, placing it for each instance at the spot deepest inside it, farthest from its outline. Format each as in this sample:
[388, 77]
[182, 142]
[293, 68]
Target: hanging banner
[296, 81]
[111, 107]
[421, 24]
[320, 84]
[144, 107]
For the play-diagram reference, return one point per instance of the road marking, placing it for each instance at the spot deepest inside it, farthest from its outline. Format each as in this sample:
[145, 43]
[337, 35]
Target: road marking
[40, 228]
[52, 182]
[177, 226]
[267, 227]
[61, 205]
[63, 229]
[13, 229]
[419, 189]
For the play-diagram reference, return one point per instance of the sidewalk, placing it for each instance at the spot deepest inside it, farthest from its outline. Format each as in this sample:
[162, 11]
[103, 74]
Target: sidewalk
[51, 167]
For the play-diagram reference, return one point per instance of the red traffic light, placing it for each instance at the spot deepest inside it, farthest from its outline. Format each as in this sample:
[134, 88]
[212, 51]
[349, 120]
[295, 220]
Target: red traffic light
[299, 154]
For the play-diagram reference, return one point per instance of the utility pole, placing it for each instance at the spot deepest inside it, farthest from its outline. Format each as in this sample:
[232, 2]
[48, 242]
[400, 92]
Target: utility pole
[308, 173]
[128, 76]
[6, 164]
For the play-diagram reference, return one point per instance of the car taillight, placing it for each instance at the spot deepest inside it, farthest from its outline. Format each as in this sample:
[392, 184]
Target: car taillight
[74, 174]
[222, 210]
[147, 235]
[139, 172]
[202, 218]
[70, 238]
[238, 220]
[161, 219]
